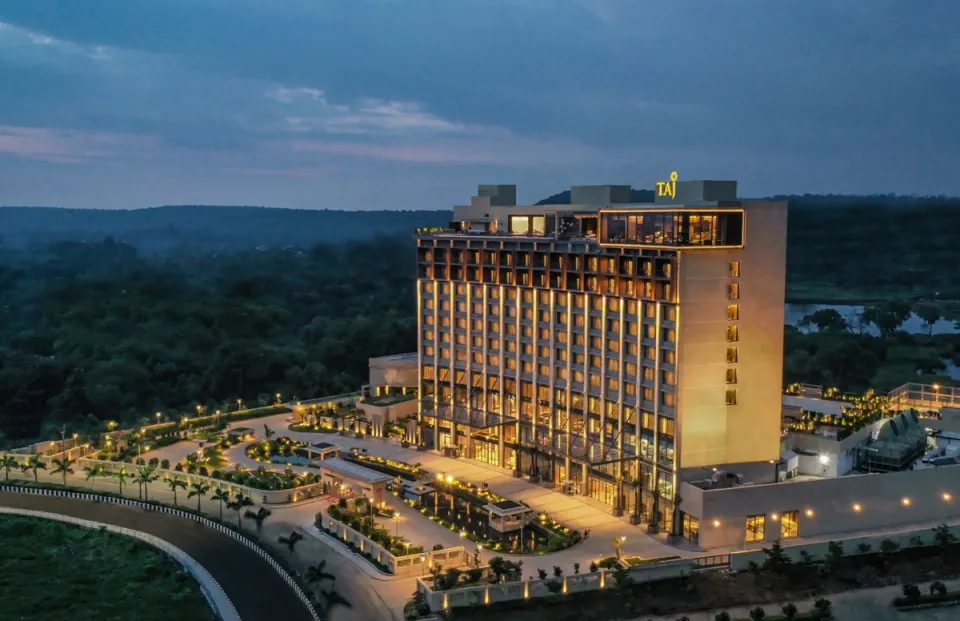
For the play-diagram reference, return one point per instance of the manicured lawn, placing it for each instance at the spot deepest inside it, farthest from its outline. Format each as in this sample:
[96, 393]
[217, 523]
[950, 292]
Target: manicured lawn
[50, 570]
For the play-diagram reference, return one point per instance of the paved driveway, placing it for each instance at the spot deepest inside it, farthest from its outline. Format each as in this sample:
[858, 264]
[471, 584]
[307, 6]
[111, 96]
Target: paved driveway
[255, 589]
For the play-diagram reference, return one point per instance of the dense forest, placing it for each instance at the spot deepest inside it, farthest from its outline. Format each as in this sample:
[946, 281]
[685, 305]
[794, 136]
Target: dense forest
[228, 303]
[98, 329]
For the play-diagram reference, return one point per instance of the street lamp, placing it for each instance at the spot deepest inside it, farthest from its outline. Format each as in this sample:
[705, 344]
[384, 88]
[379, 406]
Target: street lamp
[396, 518]
[618, 543]
[239, 404]
[75, 436]
[159, 416]
[936, 390]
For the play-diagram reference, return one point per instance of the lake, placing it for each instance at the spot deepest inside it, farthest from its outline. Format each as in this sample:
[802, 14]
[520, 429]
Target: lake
[913, 325]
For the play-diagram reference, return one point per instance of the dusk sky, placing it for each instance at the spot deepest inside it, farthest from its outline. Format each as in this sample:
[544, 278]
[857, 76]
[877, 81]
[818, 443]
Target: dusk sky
[400, 104]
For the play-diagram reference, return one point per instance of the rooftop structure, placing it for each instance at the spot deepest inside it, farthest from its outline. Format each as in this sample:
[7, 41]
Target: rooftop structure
[354, 471]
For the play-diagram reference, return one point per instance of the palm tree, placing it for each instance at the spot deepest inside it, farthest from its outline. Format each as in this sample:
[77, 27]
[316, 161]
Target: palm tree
[7, 462]
[239, 504]
[198, 490]
[92, 472]
[174, 483]
[258, 517]
[122, 477]
[63, 467]
[144, 476]
[332, 598]
[317, 574]
[221, 496]
[34, 463]
[268, 433]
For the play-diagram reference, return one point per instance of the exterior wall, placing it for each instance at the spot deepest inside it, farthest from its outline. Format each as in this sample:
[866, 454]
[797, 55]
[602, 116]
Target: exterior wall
[740, 561]
[712, 432]
[529, 589]
[398, 374]
[378, 415]
[932, 495]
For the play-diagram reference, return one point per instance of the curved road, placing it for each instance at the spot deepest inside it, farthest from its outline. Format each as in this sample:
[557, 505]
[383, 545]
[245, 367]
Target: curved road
[255, 589]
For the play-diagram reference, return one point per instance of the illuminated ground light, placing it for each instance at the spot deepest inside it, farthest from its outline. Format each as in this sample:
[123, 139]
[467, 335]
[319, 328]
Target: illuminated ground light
[809, 512]
[857, 507]
[716, 523]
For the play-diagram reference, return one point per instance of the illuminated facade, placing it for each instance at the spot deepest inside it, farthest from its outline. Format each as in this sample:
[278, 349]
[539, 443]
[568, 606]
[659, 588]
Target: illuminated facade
[604, 345]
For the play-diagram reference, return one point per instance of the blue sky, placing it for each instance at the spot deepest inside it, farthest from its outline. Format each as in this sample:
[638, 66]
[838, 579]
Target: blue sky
[370, 104]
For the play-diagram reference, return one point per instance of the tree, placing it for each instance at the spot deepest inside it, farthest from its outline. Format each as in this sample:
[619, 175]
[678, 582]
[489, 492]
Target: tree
[826, 319]
[258, 517]
[930, 313]
[240, 503]
[7, 462]
[199, 490]
[290, 540]
[888, 547]
[34, 463]
[911, 592]
[317, 574]
[221, 496]
[723, 615]
[268, 433]
[622, 577]
[834, 555]
[777, 560]
[63, 467]
[542, 573]
[174, 483]
[145, 476]
[92, 472]
[823, 608]
[122, 476]
[757, 613]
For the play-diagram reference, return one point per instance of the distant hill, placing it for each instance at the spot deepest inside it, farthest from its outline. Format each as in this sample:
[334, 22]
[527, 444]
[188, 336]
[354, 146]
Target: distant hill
[159, 229]
[805, 200]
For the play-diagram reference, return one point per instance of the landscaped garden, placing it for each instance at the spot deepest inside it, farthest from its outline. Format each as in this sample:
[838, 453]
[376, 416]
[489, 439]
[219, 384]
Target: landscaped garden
[53, 570]
[282, 450]
[329, 418]
[359, 515]
[265, 479]
[459, 506]
[777, 579]
[410, 472]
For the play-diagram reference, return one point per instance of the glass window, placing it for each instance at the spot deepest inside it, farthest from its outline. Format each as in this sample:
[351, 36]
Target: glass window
[734, 269]
[732, 334]
[733, 312]
[755, 524]
[732, 354]
[733, 291]
[731, 376]
[790, 524]
[732, 396]
[520, 225]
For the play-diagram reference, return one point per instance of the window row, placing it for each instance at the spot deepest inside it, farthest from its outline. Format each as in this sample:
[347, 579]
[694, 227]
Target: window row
[789, 522]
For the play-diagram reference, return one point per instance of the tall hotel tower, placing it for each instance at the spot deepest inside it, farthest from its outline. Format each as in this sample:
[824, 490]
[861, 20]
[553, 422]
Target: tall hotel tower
[604, 346]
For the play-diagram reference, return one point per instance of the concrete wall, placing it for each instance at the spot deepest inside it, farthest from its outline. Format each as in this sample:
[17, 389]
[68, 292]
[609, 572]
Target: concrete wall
[407, 565]
[577, 583]
[710, 431]
[396, 373]
[818, 550]
[886, 500]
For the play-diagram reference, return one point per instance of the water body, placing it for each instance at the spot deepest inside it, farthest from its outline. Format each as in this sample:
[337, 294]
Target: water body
[290, 459]
[913, 325]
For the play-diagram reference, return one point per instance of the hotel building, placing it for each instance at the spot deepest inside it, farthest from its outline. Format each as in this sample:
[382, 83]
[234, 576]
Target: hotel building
[606, 346]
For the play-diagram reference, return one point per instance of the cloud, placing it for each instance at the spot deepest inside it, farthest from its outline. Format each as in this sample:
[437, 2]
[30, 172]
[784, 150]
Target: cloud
[792, 94]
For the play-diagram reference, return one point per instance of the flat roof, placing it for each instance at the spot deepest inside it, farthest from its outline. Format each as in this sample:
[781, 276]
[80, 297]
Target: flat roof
[240, 430]
[323, 445]
[354, 471]
[412, 356]
[811, 404]
[506, 507]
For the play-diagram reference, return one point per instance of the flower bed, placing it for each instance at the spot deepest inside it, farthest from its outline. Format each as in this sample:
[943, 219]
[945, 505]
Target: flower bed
[368, 527]
[280, 447]
[264, 479]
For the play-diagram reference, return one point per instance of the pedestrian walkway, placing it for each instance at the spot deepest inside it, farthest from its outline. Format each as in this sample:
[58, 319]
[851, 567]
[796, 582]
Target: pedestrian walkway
[575, 512]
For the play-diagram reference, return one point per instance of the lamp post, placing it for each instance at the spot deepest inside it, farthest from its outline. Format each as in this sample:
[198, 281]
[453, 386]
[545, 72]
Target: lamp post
[936, 392]
[75, 436]
[159, 416]
[618, 543]
[396, 518]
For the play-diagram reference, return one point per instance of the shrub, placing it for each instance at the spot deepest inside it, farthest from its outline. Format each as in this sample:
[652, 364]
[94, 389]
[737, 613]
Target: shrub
[594, 567]
[542, 573]
[864, 548]
[834, 554]
[757, 613]
[576, 568]
[474, 574]
[889, 546]
[789, 611]
[938, 587]
[622, 577]
[776, 559]
[554, 586]
[557, 571]
[823, 608]
[723, 615]
[178, 467]
[437, 546]
[165, 464]
[805, 557]
[911, 592]
[154, 462]
[342, 503]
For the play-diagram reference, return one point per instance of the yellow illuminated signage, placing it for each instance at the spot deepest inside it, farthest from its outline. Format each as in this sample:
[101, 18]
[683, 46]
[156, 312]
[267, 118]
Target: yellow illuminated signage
[668, 188]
